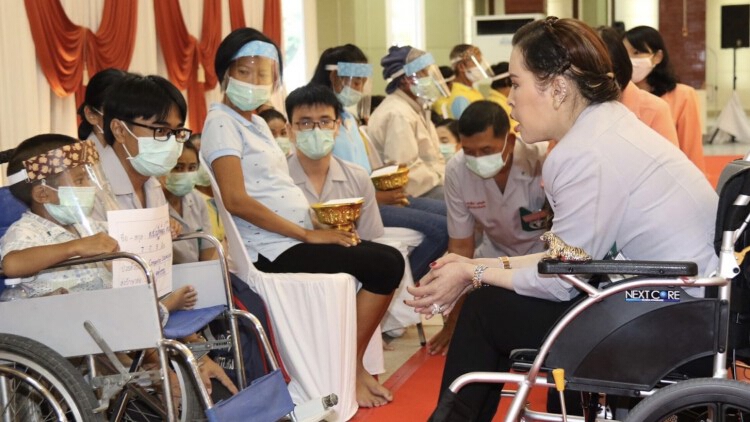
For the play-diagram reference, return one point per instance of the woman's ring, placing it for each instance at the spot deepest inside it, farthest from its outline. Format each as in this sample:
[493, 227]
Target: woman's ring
[437, 309]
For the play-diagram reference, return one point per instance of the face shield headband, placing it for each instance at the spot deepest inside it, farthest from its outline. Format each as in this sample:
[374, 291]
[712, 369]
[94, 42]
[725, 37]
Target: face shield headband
[56, 161]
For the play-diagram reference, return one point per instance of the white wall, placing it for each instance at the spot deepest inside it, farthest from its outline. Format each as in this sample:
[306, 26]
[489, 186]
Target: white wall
[719, 62]
[638, 12]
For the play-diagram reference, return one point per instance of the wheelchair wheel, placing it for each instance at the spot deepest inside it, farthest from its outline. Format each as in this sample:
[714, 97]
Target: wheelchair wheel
[703, 399]
[145, 406]
[22, 401]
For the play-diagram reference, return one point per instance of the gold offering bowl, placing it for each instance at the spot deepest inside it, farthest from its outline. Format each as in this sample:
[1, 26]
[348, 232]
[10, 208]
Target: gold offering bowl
[339, 215]
[395, 180]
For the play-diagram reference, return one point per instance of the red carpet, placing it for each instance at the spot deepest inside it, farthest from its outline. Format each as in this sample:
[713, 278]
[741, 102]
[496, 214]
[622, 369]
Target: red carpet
[415, 389]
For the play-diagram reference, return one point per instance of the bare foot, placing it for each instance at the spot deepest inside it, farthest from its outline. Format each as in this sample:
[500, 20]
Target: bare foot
[438, 344]
[183, 298]
[369, 391]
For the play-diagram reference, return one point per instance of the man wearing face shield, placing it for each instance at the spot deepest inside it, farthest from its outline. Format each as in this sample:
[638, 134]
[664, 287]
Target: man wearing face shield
[55, 176]
[469, 68]
[401, 129]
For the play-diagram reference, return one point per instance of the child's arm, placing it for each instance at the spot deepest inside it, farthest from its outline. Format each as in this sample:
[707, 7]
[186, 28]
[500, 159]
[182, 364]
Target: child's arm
[26, 262]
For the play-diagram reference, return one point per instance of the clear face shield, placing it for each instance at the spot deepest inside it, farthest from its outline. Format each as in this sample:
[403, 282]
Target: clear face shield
[254, 76]
[352, 85]
[475, 67]
[424, 79]
[68, 182]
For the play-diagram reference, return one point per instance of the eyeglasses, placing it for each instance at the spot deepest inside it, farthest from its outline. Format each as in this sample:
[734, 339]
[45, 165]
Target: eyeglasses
[162, 134]
[323, 124]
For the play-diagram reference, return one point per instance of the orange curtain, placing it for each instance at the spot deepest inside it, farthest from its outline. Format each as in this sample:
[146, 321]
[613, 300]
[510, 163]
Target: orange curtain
[65, 49]
[190, 64]
[236, 14]
[272, 20]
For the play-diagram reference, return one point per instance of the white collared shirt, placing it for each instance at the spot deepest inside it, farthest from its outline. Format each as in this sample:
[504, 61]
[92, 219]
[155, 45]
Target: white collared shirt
[194, 218]
[471, 199]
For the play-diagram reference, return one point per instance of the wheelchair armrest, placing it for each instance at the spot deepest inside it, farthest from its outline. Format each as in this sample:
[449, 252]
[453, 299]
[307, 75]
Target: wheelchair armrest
[642, 268]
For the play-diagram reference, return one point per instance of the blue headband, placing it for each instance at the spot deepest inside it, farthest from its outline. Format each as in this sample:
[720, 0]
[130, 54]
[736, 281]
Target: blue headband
[258, 48]
[418, 64]
[354, 70]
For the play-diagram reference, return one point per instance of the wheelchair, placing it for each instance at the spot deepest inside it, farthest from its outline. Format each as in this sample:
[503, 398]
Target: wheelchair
[635, 339]
[61, 356]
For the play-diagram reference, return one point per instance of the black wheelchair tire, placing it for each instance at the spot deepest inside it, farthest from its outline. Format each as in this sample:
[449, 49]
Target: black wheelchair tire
[189, 407]
[694, 394]
[54, 372]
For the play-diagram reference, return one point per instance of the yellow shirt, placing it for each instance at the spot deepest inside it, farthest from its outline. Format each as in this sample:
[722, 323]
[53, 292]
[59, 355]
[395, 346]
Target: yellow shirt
[461, 97]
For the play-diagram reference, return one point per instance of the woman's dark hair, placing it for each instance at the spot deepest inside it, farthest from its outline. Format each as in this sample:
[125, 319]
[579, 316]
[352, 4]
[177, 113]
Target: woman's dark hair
[271, 114]
[568, 47]
[499, 69]
[95, 92]
[29, 148]
[231, 45]
[621, 63]
[480, 115]
[191, 146]
[309, 95]
[141, 96]
[662, 78]
[349, 53]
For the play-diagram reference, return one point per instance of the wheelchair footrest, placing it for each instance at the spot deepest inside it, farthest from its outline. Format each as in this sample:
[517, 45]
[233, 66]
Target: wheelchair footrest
[266, 399]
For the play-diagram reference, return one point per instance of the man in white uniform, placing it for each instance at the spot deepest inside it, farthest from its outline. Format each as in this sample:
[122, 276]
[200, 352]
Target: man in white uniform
[494, 183]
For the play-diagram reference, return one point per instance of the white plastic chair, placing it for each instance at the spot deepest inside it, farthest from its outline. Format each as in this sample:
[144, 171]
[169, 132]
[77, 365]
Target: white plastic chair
[314, 318]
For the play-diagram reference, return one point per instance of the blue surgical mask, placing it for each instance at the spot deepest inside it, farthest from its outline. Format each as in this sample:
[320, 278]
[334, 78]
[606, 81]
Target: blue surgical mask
[76, 203]
[246, 96]
[181, 184]
[155, 158]
[349, 96]
[315, 144]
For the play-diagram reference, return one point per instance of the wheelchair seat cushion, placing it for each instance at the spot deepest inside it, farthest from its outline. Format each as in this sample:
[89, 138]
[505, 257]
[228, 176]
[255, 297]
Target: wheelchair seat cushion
[183, 323]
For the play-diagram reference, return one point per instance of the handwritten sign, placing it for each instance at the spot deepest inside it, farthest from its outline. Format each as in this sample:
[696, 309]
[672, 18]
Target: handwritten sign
[144, 232]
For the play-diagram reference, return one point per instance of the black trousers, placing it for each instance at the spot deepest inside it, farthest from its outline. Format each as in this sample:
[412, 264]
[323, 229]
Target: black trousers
[494, 321]
[378, 267]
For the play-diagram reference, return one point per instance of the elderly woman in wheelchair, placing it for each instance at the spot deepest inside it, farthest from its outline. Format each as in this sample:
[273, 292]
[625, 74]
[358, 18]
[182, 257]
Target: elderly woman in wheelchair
[618, 190]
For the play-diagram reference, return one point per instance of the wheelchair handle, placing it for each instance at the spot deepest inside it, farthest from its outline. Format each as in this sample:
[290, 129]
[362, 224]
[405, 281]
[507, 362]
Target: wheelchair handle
[611, 266]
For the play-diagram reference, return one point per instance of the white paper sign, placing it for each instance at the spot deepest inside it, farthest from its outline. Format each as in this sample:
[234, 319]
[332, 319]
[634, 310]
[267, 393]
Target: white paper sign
[144, 232]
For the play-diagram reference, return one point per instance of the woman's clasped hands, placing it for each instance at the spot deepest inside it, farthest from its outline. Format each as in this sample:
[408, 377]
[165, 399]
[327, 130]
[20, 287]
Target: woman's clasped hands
[437, 292]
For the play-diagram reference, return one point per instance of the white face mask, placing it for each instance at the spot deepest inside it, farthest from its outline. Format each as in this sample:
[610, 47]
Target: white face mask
[76, 203]
[642, 67]
[315, 144]
[475, 74]
[155, 158]
[247, 96]
[448, 150]
[487, 166]
[349, 96]
[285, 144]
[425, 89]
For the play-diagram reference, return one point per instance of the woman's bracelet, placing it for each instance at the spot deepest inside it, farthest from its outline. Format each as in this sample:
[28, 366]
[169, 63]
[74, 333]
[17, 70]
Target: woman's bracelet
[505, 261]
[476, 279]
